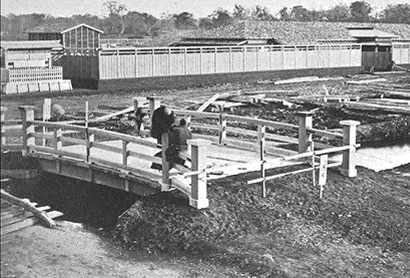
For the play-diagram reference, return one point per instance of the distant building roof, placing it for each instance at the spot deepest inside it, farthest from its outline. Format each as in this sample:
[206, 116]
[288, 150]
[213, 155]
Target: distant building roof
[370, 33]
[294, 32]
[30, 45]
[60, 28]
[209, 42]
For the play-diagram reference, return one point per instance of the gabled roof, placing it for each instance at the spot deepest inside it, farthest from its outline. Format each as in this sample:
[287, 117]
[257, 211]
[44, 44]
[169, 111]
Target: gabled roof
[60, 28]
[7, 45]
[293, 32]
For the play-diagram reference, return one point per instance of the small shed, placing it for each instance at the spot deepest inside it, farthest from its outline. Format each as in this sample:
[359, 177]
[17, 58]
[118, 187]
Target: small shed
[27, 54]
[376, 46]
[26, 66]
[71, 36]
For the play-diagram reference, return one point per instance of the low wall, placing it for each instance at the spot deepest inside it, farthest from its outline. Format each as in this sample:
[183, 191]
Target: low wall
[39, 86]
[186, 81]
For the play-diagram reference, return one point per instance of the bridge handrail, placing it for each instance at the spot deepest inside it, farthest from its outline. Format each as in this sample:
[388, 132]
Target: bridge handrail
[324, 133]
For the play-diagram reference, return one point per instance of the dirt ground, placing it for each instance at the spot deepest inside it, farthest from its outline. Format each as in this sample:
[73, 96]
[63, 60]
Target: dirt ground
[73, 251]
[361, 228]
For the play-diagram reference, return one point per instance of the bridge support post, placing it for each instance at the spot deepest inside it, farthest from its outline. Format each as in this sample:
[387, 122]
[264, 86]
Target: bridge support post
[3, 128]
[27, 115]
[165, 164]
[154, 103]
[199, 198]
[305, 122]
[349, 139]
[222, 126]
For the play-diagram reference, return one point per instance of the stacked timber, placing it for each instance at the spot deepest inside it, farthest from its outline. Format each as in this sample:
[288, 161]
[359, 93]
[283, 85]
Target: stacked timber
[17, 214]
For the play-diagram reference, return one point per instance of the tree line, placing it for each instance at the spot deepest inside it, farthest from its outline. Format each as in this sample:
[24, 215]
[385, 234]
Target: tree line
[121, 22]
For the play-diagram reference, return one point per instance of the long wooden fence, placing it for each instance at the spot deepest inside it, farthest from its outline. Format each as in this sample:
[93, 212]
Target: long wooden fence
[133, 62]
[148, 62]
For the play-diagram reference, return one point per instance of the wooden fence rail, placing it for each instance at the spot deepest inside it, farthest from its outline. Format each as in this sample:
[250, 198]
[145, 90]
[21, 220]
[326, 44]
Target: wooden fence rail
[197, 185]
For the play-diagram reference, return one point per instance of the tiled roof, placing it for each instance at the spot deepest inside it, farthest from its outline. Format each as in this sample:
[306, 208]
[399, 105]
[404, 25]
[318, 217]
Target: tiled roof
[30, 44]
[59, 27]
[372, 33]
[293, 32]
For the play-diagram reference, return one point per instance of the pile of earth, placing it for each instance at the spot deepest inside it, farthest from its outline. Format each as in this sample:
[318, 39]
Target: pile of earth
[361, 225]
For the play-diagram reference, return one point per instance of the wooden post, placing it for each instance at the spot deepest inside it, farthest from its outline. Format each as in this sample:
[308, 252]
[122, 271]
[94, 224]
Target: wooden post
[124, 152]
[47, 109]
[46, 115]
[3, 127]
[27, 114]
[154, 103]
[135, 101]
[349, 139]
[199, 199]
[305, 122]
[261, 139]
[89, 139]
[57, 139]
[222, 130]
[165, 164]
[86, 114]
[188, 122]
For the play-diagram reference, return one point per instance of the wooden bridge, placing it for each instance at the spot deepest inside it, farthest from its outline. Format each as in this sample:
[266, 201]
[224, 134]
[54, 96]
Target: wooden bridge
[226, 145]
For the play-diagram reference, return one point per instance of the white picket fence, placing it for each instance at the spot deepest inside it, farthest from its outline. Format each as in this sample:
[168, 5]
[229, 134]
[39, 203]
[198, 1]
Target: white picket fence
[171, 61]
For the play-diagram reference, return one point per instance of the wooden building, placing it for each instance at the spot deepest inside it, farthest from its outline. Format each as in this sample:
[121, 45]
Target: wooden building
[80, 36]
[26, 66]
[376, 46]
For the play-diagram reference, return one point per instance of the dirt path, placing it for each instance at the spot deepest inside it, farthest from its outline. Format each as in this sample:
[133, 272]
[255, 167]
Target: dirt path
[72, 251]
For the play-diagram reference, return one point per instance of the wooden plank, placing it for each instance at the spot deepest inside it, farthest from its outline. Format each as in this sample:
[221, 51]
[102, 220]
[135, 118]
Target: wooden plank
[391, 109]
[207, 103]
[262, 122]
[124, 137]
[27, 223]
[29, 207]
[366, 81]
[145, 157]
[115, 114]
[19, 173]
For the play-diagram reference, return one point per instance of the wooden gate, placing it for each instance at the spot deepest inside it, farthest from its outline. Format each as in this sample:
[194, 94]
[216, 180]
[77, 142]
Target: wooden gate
[378, 60]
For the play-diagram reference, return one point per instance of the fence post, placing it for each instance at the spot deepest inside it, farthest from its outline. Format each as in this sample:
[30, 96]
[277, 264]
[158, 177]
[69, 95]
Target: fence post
[305, 122]
[261, 139]
[124, 152]
[349, 139]
[27, 114]
[154, 103]
[165, 164]
[199, 199]
[3, 127]
[137, 127]
[89, 139]
[222, 128]
[46, 116]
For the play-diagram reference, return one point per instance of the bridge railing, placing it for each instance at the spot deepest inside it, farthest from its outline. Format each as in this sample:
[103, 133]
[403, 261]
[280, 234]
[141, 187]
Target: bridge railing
[217, 127]
[84, 146]
[11, 133]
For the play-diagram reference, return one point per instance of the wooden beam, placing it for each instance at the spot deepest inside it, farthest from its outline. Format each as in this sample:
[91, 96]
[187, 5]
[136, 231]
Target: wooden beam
[29, 207]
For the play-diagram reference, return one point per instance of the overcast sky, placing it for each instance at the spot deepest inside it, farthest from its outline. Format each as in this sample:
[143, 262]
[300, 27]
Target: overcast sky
[199, 8]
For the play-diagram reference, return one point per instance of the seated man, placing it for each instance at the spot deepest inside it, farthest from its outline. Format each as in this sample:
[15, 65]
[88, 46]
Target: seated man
[178, 139]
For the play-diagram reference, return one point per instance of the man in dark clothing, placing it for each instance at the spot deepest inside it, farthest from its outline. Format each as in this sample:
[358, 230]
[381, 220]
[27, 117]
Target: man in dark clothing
[162, 121]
